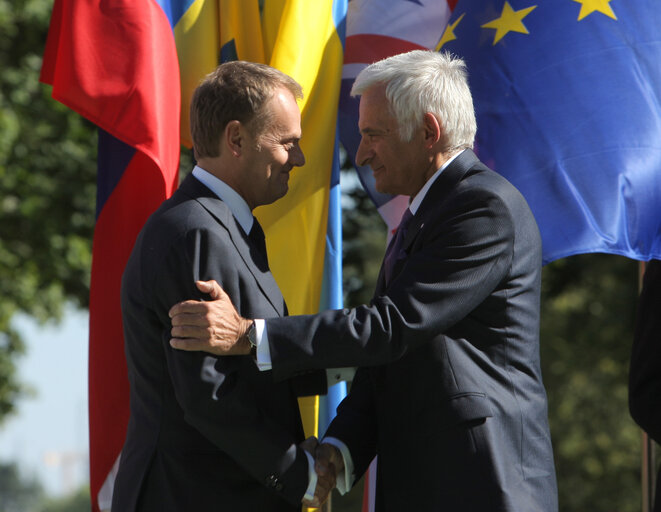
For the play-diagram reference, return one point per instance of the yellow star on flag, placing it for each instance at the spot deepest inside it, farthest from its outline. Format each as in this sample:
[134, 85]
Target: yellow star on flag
[509, 21]
[448, 35]
[590, 6]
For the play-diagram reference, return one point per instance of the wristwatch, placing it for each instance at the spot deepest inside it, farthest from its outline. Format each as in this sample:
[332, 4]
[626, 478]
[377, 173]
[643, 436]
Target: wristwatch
[252, 338]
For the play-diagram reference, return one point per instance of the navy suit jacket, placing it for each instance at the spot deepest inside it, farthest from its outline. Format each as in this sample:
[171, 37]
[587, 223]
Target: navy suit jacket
[205, 432]
[449, 393]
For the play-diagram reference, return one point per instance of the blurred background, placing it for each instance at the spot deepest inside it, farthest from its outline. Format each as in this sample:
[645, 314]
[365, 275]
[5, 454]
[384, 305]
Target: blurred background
[47, 209]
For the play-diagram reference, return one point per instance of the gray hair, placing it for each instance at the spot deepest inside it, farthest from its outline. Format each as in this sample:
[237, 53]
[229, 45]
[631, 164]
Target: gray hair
[423, 81]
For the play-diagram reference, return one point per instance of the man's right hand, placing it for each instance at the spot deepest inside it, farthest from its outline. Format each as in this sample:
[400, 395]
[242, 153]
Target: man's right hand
[329, 463]
[210, 326]
[325, 482]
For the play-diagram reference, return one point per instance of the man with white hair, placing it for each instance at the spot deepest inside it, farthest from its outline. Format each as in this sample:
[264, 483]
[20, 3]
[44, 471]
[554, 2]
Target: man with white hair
[449, 392]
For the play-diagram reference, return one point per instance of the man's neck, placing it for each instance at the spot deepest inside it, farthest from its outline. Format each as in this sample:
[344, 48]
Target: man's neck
[416, 200]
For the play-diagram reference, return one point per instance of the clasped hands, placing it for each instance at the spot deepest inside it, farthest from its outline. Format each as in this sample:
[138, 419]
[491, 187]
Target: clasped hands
[216, 327]
[328, 463]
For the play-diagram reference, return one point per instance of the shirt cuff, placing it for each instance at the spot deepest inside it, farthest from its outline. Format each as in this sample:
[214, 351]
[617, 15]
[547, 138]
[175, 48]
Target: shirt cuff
[309, 492]
[345, 479]
[263, 350]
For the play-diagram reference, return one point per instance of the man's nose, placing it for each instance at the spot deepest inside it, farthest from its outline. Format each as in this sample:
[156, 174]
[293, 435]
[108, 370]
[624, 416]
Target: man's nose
[297, 158]
[364, 153]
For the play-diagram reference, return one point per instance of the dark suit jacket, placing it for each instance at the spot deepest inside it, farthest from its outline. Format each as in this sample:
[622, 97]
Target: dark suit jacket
[450, 394]
[645, 370]
[205, 433]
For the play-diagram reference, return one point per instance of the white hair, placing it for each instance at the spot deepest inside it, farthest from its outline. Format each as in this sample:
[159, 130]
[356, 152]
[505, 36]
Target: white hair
[423, 81]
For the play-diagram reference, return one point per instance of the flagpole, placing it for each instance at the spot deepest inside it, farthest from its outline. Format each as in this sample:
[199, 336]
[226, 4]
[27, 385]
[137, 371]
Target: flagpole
[647, 472]
[648, 456]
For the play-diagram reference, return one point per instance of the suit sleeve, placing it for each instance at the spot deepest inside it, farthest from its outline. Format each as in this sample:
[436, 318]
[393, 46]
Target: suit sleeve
[461, 255]
[355, 423]
[219, 396]
[645, 371]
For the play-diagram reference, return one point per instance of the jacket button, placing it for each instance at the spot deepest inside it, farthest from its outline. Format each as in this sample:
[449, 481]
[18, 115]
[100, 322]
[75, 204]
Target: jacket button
[273, 482]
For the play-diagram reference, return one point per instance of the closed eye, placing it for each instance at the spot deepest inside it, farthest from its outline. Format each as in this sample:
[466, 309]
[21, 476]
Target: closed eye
[372, 135]
[290, 145]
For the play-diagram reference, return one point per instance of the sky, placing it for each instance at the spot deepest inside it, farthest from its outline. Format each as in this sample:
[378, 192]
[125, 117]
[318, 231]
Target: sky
[48, 436]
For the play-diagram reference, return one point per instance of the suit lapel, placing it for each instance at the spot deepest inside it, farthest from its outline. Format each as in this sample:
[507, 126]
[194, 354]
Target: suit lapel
[253, 259]
[442, 187]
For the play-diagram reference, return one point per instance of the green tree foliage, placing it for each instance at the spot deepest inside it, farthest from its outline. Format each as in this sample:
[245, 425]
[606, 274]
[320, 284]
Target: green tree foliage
[47, 179]
[19, 493]
[588, 310]
[78, 501]
[363, 244]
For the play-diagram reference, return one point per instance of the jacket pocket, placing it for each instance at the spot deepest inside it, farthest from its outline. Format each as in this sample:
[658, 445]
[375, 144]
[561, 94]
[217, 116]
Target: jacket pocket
[467, 407]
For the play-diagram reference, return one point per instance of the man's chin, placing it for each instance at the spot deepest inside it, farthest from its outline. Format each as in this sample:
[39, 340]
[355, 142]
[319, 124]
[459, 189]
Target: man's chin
[382, 188]
[280, 194]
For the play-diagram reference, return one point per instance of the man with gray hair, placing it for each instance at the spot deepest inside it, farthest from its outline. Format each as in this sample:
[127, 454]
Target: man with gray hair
[449, 392]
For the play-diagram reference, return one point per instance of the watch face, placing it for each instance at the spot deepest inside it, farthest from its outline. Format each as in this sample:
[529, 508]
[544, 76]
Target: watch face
[252, 335]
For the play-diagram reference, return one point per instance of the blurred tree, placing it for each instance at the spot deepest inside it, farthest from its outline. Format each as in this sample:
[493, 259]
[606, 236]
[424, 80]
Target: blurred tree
[78, 501]
[588, 308]
[18, 493]
[47, 178]
[363, 242]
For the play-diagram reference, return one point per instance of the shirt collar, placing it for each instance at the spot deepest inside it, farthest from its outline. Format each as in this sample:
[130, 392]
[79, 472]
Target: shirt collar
[417, 200]
[237, 205]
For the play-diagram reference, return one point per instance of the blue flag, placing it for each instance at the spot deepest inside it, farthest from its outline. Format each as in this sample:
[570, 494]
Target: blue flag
[568, 101]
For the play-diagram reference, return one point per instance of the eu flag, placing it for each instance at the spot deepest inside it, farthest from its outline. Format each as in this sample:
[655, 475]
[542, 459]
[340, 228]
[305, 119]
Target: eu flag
[568, 101]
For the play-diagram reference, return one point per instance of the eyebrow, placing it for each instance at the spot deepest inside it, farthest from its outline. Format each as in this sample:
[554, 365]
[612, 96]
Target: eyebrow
[374, 131]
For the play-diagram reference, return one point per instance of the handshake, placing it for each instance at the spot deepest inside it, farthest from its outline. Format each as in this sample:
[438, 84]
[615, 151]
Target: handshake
[328, 463]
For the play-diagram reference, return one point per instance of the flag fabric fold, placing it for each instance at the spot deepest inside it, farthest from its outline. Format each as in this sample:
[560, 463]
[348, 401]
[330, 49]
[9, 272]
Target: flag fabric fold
[115, 63]
[568, 104]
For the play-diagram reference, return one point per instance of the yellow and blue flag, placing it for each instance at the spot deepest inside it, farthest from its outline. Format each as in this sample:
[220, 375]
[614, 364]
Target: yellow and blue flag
[305, 40]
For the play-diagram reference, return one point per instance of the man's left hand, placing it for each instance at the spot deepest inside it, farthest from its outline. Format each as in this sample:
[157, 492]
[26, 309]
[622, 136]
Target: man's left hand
[210, 326]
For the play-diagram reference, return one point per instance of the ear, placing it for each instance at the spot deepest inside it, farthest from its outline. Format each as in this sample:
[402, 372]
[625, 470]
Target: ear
[233, 137]
[433, 129]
